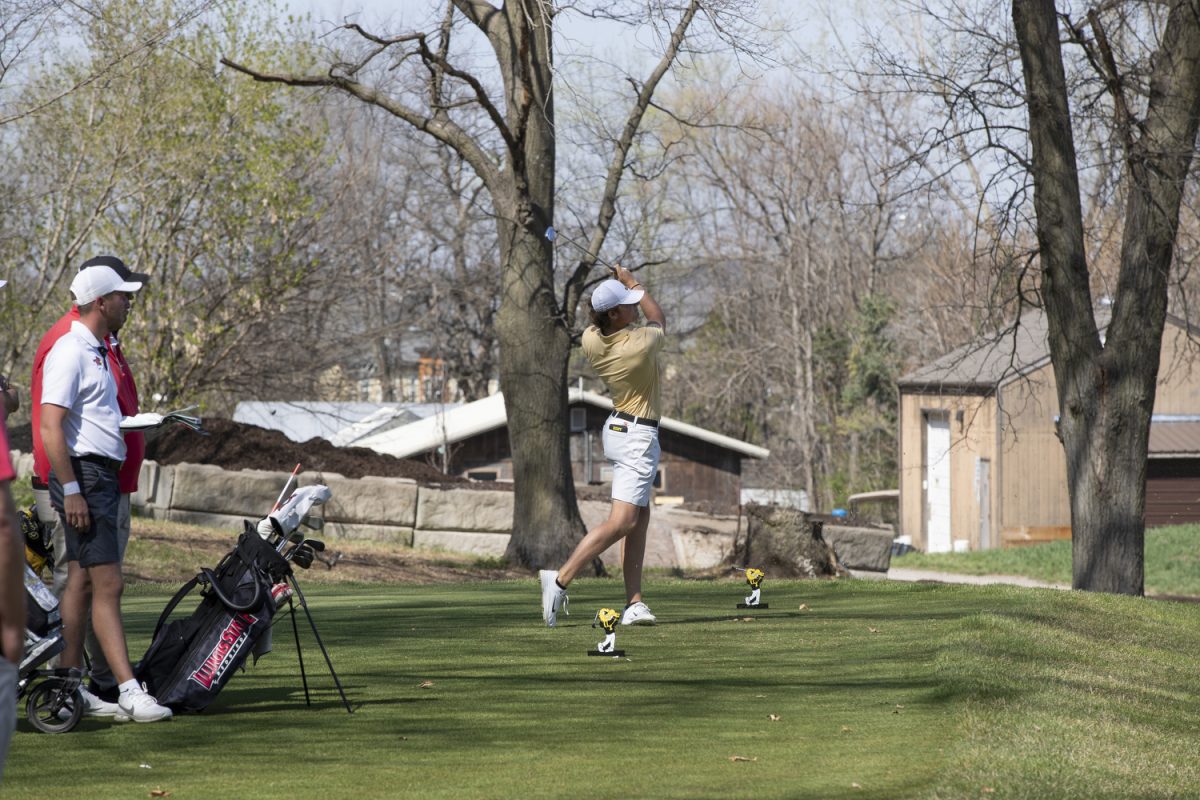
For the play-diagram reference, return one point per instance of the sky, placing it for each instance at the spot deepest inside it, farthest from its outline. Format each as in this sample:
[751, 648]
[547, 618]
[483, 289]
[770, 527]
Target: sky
[809, 20]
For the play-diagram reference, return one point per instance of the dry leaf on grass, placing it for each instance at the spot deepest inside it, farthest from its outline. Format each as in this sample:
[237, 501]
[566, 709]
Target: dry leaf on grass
[846, 729]
[804, 606]
[159, 793]
[425, 685]
[743, 758]
[743, 619]
[987, 790]
[773, 717]
[855, 786]
[873, 630]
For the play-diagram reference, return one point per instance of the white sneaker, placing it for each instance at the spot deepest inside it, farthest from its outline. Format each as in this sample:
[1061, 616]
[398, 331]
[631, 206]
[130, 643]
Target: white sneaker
[139, 706]
[554, 598]
[92, 707]
[638, 614]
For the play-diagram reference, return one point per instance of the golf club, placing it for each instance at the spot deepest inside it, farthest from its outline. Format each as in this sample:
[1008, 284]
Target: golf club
[552, 237]
[312, 545]
[295, 537]
[303, 556]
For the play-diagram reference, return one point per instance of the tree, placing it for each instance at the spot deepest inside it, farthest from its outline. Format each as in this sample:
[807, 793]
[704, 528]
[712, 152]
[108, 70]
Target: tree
[201, 182]
[509, 140]
[1106, 388]
[801, 235]
[1099, 125]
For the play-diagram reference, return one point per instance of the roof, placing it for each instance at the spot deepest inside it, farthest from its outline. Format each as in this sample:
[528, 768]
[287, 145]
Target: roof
[471, 419]
[992, 360]
[1174, 436]
[989, 360]
[340, 423]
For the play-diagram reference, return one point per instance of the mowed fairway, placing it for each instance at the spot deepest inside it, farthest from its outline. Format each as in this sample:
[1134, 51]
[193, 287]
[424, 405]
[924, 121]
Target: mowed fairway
[872, 690]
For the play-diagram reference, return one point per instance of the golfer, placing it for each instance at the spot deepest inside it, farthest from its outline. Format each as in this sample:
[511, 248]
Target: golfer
[103, 684]
[625, 356]
[80, 424]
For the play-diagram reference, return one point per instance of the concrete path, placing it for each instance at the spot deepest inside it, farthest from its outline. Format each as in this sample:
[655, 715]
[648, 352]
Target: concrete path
[913, 575]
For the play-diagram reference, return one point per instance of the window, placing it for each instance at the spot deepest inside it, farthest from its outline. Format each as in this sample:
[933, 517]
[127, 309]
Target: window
[483, 475]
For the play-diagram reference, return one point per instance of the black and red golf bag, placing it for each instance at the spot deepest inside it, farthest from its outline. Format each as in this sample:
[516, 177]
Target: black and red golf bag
[191, 659]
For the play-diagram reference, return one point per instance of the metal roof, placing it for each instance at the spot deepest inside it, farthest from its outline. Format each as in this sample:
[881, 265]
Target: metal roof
[1175, 436]
[340, 423]
[455, 424]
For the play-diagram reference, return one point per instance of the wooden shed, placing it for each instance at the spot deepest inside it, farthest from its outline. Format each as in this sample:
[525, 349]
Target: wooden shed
[697, 465]
[981, 465]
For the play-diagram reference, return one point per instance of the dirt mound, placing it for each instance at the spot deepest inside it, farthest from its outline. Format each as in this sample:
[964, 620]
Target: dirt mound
[235, 445]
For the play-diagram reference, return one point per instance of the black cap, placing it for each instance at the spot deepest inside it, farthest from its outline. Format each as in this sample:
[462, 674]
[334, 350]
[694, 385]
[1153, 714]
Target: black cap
[118, 266]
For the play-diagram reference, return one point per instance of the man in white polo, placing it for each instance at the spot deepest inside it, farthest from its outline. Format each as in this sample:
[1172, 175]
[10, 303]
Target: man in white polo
[81, 431]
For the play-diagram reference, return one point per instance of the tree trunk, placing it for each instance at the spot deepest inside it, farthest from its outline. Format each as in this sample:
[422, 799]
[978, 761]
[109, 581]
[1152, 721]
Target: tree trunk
[1106, 389]
[534, 348]
[535, 344]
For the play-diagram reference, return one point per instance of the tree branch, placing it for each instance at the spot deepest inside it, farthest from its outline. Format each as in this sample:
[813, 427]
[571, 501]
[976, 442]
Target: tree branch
[438, 126]
[616, 167]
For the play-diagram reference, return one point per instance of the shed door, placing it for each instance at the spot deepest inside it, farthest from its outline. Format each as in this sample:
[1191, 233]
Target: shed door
[937, 483]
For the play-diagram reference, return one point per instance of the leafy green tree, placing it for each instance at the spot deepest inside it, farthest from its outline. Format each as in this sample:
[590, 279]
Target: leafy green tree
[206, 184]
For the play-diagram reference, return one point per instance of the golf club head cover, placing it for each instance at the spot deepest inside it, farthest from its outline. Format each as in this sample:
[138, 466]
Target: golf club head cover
[288, 515]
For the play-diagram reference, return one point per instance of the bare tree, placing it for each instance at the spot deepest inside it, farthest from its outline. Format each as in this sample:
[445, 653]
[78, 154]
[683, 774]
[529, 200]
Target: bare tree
[802, 237]
[1106, 389]
[1076, 127]
[507, 134]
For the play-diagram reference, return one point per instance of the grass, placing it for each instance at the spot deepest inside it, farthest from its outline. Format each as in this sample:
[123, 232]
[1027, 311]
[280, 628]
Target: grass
[881, 690]
[1172, 561]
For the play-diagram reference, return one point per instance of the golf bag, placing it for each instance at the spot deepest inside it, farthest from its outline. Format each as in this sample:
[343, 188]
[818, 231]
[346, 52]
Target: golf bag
[191, 659]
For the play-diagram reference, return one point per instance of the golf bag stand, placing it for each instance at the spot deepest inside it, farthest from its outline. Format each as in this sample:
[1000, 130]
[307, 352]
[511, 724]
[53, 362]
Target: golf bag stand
[299, 652]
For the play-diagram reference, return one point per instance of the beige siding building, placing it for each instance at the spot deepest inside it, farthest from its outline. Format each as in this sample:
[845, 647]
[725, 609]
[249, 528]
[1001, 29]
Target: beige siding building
[981, 465]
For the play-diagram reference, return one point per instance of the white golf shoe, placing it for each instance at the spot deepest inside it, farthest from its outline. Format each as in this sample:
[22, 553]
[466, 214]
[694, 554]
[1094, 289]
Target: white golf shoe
[93, 706]
[139, 706]
[554, 597]
[638, 614]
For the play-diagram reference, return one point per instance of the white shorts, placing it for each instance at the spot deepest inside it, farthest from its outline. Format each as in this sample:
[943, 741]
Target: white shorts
[633, 450]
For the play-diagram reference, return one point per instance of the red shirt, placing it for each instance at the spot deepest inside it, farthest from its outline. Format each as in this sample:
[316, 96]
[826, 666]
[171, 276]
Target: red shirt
[7, 473]
[127, 399]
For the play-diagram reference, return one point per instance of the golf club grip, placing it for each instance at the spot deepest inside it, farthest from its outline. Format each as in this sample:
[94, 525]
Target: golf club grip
[232, 606]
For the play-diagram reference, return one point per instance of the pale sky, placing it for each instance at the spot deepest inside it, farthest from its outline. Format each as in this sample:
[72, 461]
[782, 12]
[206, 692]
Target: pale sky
[808, 20]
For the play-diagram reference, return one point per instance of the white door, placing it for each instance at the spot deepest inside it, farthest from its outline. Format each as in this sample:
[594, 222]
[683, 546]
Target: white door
[937, 483]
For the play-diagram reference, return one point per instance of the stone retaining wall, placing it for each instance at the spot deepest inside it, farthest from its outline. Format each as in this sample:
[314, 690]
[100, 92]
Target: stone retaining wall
[399, 511]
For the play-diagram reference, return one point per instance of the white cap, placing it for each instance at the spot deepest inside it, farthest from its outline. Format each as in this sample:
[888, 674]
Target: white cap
[612, 293]
[98, 281]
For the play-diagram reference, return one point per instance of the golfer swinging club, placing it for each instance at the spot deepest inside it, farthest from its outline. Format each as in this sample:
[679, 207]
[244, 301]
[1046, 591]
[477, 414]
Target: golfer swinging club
[625, 356]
